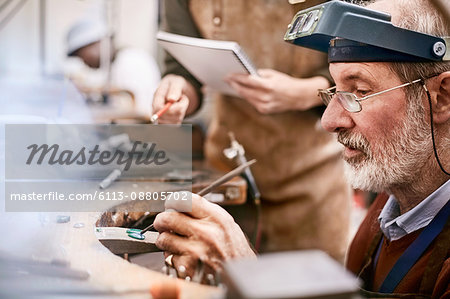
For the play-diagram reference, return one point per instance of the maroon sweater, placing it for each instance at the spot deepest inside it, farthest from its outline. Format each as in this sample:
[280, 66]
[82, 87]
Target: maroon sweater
[430, 275]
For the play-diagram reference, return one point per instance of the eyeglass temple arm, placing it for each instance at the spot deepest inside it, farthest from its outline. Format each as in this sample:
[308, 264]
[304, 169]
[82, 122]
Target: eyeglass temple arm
[393, 88]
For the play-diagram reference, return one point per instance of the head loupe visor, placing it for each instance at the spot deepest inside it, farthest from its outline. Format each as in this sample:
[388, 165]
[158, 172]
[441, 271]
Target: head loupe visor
[351, 33]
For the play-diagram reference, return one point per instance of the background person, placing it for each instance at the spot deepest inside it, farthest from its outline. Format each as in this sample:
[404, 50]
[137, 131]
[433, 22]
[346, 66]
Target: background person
[132, 69]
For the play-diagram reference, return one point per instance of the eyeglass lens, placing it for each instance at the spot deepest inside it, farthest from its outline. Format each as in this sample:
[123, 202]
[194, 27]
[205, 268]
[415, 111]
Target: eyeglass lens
[347, 100]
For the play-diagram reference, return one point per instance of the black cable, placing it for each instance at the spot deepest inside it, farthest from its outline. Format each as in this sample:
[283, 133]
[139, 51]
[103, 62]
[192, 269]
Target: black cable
[432, 129]
[11, 14]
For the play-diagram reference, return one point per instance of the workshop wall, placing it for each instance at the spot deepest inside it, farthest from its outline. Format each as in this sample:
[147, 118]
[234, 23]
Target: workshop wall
[135, 20]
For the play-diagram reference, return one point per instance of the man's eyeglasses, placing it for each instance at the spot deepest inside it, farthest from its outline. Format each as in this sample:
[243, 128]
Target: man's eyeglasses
[349, 100]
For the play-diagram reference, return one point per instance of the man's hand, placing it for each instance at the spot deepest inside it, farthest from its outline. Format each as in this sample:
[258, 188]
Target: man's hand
[208, 233]
[175, 89]
[274, 92]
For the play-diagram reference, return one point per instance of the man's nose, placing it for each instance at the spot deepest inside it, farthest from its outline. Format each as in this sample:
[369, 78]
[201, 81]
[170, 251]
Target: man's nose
[336, 117]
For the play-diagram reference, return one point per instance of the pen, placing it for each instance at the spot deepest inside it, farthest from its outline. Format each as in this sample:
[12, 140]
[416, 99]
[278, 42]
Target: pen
[157, 115]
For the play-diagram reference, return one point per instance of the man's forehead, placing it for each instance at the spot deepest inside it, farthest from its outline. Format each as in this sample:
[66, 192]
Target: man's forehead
[369, 71]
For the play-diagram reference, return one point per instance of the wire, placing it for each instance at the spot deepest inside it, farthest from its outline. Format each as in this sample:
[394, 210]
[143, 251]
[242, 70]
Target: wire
[432, 130]
[11, 14]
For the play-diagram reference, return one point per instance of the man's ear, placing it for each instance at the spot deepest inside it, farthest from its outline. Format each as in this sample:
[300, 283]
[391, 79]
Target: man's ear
[441, 103]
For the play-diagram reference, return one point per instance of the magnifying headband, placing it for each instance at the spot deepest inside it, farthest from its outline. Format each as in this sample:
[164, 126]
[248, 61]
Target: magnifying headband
[351, 33]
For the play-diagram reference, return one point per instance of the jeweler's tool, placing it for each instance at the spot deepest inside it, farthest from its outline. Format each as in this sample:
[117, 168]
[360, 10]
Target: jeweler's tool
[225, 178]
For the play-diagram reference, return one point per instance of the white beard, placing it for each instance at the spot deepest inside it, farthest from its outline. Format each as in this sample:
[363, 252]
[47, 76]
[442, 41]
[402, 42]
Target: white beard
[391, 161]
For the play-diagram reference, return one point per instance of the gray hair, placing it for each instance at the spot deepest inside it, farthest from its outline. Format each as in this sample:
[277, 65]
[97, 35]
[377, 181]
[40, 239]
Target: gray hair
[420, 15]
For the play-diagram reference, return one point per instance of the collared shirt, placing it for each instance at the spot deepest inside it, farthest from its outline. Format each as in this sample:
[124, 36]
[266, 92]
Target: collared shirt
[395, 226]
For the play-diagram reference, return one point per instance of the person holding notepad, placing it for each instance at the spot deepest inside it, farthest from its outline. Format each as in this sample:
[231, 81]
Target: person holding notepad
[305, 198]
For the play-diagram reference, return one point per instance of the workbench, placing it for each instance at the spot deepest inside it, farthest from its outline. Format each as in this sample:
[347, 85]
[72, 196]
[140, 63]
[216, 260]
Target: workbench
[39, 237]
[45, 251]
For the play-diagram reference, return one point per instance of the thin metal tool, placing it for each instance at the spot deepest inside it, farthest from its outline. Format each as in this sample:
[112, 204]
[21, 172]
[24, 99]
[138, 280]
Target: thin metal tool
[225, 178]
[237, 152]
[238, 170]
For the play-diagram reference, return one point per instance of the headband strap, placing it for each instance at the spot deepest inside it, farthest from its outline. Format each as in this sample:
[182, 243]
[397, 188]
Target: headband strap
[344, 50]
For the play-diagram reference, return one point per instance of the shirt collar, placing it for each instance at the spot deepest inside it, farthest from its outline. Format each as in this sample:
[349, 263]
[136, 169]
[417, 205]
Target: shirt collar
[396, 226]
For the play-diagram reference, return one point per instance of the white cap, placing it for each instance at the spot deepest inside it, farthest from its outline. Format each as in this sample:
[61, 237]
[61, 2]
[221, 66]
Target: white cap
[83, 33]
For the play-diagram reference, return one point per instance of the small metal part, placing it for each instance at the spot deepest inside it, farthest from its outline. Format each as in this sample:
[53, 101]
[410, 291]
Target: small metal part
[217, 21]
[78, 225]
[147, 229]
[62, 219]
[137, 236]
[168, 260]
[232, 193]
[210, 278]
[439, 49]
[154, 119]
[235, 150]
[110, 178]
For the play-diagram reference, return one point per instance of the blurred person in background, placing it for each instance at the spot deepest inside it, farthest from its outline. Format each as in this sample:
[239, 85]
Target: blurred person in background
[131, 69]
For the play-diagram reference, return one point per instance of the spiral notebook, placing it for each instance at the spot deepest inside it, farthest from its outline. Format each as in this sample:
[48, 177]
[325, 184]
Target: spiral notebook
[208, 60]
